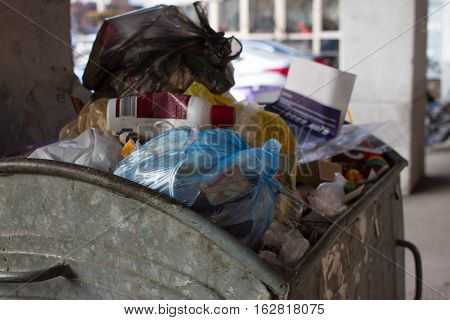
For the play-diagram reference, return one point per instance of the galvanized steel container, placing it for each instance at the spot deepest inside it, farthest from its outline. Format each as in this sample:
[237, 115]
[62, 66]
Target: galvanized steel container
[109, 238]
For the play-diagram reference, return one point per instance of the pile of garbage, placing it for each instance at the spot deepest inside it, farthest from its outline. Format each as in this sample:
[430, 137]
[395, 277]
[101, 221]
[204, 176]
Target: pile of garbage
[274, 176]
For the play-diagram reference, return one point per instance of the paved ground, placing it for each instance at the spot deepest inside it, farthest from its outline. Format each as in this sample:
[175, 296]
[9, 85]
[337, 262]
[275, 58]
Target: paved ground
[427, 224]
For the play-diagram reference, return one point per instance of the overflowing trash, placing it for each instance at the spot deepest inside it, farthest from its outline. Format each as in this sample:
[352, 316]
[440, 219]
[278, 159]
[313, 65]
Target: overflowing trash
[274, 176]
[213, 171]
[159, 49]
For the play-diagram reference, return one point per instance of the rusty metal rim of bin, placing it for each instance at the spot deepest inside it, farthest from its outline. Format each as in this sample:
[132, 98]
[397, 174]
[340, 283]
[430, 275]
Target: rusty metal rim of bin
[275, 281]
[338, 225]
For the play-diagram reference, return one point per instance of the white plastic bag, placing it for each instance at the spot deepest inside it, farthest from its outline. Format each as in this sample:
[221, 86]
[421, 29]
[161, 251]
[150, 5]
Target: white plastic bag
[328, 198]
[93, 148]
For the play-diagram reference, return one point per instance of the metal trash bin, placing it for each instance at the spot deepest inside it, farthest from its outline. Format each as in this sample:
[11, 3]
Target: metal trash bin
[71, 232]
[358, 257]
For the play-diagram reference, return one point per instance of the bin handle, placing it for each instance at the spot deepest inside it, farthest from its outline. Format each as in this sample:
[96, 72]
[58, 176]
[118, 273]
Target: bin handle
[418, 266]
[58, 270]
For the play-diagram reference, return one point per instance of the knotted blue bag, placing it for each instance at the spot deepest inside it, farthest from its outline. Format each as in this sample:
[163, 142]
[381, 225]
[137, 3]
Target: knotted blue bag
[216, 173]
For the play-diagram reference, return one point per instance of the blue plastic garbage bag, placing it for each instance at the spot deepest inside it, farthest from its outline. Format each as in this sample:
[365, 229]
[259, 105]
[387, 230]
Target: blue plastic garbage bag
[216, 173]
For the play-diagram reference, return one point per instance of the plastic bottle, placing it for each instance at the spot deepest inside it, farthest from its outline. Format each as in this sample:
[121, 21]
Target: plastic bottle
[151, 114]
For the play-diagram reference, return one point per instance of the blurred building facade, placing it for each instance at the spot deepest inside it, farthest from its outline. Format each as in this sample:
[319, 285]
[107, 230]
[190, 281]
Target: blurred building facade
[87, 15]
[309, 25]
[445, 54]
[80, 20]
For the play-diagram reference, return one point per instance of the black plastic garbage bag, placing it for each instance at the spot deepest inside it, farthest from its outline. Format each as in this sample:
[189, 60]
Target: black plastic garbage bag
[159, 49]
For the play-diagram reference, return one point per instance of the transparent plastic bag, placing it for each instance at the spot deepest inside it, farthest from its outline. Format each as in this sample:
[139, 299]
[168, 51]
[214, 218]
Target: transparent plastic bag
[159, 49]
[216, 173]
[92, 115]
[349, 138]
[328, 198]
[93, 148]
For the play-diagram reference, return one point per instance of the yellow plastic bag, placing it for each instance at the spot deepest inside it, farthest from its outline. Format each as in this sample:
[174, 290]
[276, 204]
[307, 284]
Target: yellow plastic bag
[199, 90]
[257, 126]
[92, 115]
[69, 131]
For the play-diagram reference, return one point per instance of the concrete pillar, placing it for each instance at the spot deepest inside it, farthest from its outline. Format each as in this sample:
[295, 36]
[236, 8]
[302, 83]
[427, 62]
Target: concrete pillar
[35, 71]
[390, 64]
[101, 5]
[317, 11]
[214, 14]
[280, 19]
[445, 63]
[244, 23]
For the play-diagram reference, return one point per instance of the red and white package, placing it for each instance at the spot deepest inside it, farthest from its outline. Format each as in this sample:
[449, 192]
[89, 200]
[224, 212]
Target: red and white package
[150, 114]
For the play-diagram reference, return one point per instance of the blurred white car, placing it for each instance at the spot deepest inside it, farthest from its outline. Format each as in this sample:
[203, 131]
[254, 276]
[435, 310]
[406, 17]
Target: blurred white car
[261, 70]
[259, 75]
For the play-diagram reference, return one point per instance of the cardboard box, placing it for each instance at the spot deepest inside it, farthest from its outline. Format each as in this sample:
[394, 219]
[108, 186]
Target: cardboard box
[314, 101]
[316, 172]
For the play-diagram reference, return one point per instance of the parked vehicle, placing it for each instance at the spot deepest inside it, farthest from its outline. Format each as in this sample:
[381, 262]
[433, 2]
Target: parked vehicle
[259, 74]
[437, 121]
[261, 70]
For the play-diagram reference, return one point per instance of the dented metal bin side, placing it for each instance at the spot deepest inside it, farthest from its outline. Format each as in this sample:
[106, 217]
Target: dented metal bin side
[357, 258]
[121, 240]
[124, 241]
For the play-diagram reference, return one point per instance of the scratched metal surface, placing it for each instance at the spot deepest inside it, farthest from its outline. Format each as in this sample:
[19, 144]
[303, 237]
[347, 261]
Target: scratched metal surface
[357, 257]
[119, 247]
[50, 211]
